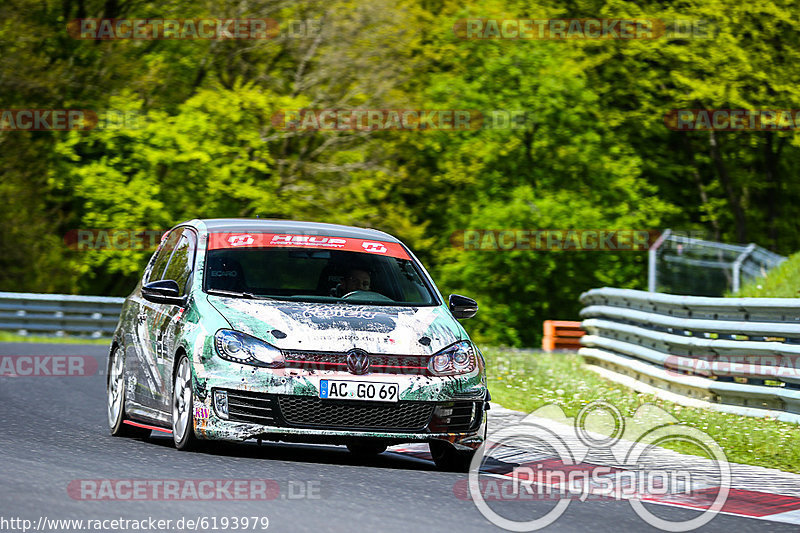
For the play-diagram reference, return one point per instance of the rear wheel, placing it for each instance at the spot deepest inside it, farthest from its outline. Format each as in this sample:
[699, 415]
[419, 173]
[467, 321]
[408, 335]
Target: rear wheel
[182, 402]
[448, 458]
[366, 449]
[116, 400]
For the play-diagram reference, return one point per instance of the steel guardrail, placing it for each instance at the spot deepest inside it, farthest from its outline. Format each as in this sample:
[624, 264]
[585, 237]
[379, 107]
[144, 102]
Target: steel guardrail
[59, 314]
[739, 354]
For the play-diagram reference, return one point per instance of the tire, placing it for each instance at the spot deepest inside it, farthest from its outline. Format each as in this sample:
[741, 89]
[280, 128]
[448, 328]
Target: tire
[366, 449]
[182, 402]
[115, 393]
[448, 458]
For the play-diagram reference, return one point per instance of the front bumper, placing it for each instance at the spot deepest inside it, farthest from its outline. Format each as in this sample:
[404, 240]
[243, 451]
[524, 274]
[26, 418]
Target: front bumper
[284, 404]
[309, 419]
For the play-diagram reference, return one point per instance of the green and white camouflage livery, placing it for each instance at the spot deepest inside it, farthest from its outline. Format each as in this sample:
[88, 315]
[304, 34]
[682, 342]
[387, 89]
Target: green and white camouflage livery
[153, 337]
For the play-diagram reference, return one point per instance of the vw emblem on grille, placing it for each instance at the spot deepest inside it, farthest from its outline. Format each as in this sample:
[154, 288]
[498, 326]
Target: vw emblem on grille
[357, 361]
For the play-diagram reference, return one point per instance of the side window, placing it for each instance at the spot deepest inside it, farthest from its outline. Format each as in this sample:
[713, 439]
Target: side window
[161, 257]
[180, 265]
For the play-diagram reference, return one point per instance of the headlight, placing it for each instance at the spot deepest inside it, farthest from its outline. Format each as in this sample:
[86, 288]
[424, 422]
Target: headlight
[456, 359]
[242, 348]
[440, 363]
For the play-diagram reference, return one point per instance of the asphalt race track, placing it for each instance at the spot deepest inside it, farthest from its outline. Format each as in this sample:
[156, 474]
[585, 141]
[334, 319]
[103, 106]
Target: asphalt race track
[54, 432]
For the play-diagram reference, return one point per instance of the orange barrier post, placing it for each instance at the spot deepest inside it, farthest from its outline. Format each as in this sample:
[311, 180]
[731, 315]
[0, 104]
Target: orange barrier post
[562, 335]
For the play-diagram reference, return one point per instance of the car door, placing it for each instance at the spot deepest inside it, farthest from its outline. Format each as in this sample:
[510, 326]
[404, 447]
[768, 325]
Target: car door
[147, 383]
[164, 319]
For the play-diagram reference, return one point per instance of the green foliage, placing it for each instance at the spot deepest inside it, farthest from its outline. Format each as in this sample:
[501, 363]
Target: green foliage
[592, 151]
[518, 289]
[206, 160]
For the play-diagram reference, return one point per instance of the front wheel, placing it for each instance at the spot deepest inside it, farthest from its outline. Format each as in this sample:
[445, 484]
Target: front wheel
[448, 458]
[182, 412]
[116, 400]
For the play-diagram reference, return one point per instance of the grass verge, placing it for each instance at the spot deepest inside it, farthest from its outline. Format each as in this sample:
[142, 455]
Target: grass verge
[526, 381]
[6, 336]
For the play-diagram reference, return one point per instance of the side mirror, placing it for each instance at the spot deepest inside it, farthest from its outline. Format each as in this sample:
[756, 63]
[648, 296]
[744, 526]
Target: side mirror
[462, 307]
[165, 291]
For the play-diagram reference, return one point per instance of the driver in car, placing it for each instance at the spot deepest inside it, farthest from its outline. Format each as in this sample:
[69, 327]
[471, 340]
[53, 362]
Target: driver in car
[356, 280]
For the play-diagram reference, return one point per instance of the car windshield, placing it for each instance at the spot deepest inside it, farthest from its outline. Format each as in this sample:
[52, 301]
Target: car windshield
[317, 275]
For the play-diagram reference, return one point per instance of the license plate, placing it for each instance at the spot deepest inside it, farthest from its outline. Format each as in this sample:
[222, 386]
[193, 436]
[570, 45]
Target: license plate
[358, 390]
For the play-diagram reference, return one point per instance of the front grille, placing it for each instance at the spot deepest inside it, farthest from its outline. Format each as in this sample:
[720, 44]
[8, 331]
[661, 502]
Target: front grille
[315, 360]
[315, 413]
[309, 411]
[379, 363]
[254, 407]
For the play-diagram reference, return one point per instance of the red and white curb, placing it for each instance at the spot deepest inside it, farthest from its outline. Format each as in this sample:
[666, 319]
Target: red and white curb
[740, 501]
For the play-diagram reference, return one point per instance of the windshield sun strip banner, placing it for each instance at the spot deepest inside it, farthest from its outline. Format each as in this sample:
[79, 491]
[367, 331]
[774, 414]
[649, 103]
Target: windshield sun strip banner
[217, 241]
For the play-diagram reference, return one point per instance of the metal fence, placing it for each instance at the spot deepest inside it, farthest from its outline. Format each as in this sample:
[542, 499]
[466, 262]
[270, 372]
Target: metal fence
[739, 355]
[59, 314]
[680, 264]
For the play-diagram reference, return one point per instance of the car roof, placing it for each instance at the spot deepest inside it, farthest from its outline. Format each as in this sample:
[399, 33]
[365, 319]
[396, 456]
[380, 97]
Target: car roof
[296, 227]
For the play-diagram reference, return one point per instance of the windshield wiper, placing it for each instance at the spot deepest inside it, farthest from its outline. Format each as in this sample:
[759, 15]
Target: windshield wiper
[236, 294]
[376, 303]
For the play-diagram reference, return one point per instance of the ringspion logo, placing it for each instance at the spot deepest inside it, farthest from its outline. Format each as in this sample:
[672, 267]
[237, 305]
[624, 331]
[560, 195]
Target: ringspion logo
[598, 454]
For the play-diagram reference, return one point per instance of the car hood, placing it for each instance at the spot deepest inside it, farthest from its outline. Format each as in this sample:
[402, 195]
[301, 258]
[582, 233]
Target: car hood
[341, 327]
